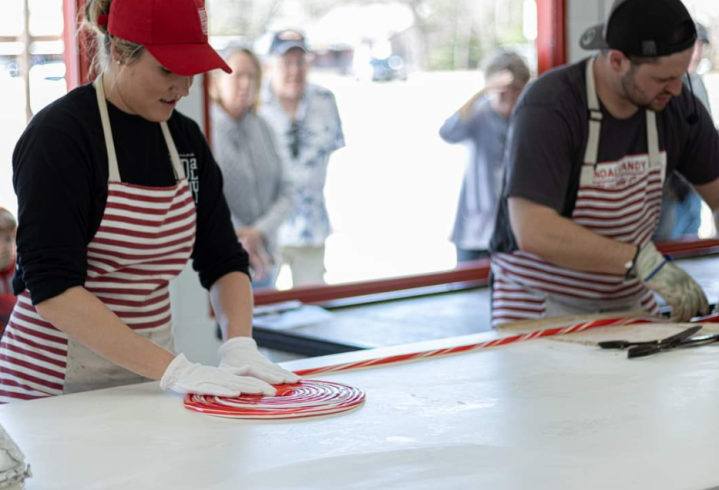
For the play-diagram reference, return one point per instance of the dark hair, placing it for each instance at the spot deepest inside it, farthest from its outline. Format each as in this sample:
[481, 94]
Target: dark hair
[511, 62]
[635, 60]
[642, 60]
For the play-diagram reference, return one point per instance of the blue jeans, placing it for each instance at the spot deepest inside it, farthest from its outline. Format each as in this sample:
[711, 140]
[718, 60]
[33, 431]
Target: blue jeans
[464, 255]
[266, 282]
[679, 218]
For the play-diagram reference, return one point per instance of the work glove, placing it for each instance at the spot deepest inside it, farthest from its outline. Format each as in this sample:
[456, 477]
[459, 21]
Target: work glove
[677, 287]
[240, 354]
[183, 376]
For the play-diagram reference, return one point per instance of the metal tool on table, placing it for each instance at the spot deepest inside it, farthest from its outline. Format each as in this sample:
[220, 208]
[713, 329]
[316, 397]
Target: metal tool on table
[699, 341]
[647, 348]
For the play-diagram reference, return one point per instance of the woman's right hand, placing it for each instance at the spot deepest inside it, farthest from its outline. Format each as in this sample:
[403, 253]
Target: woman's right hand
[183, 376]
[261, 264]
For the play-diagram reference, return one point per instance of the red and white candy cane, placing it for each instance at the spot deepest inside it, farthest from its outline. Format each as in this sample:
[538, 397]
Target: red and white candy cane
[578, 327]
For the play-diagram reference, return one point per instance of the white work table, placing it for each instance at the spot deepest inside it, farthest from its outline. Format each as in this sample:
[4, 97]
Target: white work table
[539, 414]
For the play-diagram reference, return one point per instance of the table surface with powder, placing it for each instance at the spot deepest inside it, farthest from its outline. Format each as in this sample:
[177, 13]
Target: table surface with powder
[535, 414]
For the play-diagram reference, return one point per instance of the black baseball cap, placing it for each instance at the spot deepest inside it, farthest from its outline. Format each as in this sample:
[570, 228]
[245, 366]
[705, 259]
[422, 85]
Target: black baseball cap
[286, 40]
[648, 28]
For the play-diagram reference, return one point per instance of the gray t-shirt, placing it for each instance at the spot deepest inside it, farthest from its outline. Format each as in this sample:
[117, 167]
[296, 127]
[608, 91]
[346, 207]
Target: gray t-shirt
[548, 135]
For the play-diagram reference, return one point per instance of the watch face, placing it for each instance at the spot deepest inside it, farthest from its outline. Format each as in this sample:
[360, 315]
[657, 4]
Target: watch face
[631, 273]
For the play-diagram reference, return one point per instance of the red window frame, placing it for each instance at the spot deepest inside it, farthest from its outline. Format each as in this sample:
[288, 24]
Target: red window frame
[76, 65]
[551, 34]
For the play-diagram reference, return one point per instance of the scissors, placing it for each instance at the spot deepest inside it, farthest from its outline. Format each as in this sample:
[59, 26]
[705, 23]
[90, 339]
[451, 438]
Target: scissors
[647, 348]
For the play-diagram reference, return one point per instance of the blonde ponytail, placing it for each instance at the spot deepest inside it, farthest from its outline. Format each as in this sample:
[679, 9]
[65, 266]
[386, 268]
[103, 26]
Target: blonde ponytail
[99, 42]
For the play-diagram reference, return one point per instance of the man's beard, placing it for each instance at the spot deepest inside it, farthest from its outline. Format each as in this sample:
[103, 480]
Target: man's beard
[634, 94]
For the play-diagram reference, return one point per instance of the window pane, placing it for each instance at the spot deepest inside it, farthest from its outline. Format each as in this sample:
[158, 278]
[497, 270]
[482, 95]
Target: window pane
[11, 20]
[47, 84]
[12, 122]
[398, 70]
[46, 17]
[704, 69]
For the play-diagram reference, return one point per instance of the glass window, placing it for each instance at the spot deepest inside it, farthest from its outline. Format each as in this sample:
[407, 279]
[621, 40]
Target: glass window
[704, 72]
[46, 17]
[32, 74]
[398, 70]
[11, 20]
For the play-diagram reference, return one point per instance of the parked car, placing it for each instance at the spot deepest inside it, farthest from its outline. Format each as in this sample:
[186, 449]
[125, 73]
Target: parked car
[9, 66]
[390, 68]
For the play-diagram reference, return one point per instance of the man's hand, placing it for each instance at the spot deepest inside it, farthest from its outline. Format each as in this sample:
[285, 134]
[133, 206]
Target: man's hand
[673, 284]
[498, 82]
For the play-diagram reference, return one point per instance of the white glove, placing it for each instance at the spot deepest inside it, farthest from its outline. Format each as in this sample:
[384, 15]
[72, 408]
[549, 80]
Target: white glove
[13, 469]
[673, 284]
[241, 355]
[183, 376]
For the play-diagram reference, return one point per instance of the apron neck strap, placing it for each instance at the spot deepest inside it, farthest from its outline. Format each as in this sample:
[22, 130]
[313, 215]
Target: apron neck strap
[653, 140]
[592, 98]
[113, 168]
[174, 155]
[595, 117]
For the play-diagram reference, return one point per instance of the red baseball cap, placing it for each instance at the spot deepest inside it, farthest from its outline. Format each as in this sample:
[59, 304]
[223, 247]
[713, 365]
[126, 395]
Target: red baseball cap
[173, 31]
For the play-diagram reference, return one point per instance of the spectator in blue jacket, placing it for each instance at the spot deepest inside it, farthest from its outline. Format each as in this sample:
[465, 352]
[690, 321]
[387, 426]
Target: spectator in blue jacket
[483, 122]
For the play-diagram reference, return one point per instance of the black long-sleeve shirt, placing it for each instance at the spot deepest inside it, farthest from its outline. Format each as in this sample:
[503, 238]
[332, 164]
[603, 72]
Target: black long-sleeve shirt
[60, 176]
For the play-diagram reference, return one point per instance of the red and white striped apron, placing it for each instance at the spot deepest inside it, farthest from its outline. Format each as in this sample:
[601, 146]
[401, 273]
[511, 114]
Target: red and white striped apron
[145, 238]
[620, 200]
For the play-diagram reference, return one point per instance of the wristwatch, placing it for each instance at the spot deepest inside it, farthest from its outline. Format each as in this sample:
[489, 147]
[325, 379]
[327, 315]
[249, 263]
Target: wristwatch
[630, 266]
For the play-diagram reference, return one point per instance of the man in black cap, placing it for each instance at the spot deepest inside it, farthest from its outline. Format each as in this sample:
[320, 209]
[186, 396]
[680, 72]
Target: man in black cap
[306, 122]
[589, 148]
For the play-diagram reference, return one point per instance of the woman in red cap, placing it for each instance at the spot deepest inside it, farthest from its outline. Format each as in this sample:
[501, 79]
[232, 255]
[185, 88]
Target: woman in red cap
[117, 191]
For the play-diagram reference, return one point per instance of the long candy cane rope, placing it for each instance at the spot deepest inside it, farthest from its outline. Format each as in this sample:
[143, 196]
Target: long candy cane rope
[550, 332]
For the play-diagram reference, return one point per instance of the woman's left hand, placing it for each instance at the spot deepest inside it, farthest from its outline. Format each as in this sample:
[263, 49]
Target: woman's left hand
[242, 356]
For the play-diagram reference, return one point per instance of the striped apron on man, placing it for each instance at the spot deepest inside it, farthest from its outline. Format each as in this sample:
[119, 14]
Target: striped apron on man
[145, 238]
[620, 200]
